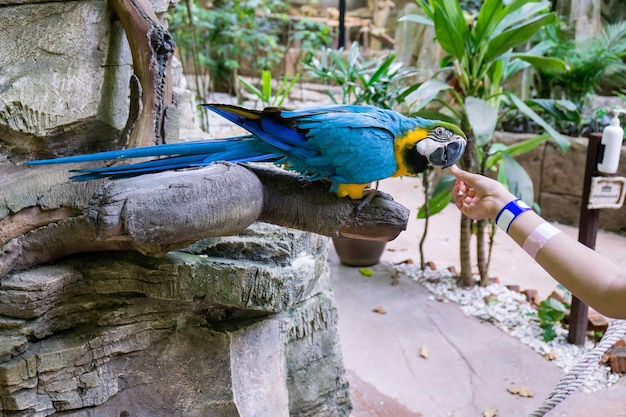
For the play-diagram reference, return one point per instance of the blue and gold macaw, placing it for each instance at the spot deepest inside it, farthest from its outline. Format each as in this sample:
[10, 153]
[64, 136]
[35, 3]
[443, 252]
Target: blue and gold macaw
[350, 146]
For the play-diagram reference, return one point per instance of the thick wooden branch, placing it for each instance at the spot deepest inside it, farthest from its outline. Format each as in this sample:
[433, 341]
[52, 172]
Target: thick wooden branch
[157, 213]
[309, 206]
[152, 48]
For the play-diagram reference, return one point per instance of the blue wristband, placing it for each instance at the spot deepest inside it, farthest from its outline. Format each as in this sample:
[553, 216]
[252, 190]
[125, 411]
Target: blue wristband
[509, 212]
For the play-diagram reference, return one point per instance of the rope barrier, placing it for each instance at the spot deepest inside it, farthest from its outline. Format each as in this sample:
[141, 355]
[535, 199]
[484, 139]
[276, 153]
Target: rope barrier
[579, 373]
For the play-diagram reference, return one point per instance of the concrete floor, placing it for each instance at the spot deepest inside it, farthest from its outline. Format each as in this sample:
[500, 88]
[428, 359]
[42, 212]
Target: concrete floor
[471, 363]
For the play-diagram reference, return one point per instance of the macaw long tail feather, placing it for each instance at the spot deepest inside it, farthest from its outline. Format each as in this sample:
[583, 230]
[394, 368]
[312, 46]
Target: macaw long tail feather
[174, 162]
[179, 155]
[183, 148]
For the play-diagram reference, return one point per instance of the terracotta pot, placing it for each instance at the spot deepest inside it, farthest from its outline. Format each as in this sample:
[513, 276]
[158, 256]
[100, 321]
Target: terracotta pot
[358, 252]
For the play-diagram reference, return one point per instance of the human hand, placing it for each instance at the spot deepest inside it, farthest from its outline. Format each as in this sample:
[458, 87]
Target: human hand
[477, 196]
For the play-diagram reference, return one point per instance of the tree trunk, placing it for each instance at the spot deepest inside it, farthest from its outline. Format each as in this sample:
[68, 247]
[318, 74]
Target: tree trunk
[467, 278]
[584, 16]
[469, 161]
[158, 213]
[152, 48]
[481, 252]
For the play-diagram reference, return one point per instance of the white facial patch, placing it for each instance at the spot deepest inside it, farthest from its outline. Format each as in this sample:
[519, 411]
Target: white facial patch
[427, 146]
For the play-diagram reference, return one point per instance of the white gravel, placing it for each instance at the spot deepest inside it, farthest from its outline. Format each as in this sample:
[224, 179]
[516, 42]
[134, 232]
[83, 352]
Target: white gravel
[512, 313]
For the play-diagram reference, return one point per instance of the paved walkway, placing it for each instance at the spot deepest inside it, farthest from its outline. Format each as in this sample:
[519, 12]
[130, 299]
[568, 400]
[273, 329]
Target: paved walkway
[471, 364]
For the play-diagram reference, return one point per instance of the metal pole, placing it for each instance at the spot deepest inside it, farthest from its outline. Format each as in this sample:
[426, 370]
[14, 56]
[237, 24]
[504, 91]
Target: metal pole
[342, 24]
[587, 232]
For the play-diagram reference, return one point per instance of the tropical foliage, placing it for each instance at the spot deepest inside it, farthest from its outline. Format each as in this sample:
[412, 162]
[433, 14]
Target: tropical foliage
[220, 38]
[593, 65]
[266, 93]
[214, 42]
[485, 51]
[381, 81]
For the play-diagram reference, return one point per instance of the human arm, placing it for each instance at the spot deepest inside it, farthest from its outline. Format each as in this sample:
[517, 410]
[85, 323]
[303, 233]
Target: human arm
[589, 275]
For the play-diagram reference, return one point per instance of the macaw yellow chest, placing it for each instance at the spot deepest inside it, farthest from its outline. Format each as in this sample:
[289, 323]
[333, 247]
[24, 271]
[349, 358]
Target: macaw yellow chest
[402, 144]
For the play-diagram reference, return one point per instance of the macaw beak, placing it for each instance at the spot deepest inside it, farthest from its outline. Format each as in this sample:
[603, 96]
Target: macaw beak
[454, 152]
[447, 155]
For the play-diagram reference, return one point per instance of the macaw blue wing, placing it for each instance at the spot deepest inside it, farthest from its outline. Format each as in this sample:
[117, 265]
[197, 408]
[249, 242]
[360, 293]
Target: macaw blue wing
[262, 124]
[346, 144]
[356, 141]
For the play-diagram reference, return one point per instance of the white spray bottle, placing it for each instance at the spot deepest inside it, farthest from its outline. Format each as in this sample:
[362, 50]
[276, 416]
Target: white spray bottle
[611, 145]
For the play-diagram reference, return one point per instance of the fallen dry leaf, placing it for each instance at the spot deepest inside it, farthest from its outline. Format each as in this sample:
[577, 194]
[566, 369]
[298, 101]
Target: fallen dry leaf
[490, 412]
[424, 353]
[379, 310]
[491, 299]
[520, 390]
[550, 355]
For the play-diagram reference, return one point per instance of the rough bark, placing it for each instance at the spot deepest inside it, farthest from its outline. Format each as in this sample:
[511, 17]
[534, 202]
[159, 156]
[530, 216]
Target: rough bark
[482, 252]
[152, 48]
[309, 206]
[51, 217]
[467, 278]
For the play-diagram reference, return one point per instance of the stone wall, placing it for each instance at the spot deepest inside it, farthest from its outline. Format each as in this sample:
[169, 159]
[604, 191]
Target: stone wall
[237, 326]
[63, 69]
[558, 181]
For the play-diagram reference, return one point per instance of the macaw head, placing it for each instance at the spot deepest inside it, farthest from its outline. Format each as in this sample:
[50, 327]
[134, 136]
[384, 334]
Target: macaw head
[440, 144]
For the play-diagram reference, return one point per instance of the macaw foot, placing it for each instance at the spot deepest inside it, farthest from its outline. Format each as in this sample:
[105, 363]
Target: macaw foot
[368, 196]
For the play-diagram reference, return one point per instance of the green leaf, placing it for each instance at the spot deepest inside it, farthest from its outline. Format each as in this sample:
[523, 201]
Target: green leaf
[516, 36]
[488, 18]
[442, 195]
[366, 272]
[560, 140]
[283, 94]
[426, 7]
[518, 180]
[522, 14]
[251, 88]
[548, 333]
[416, 18]
[560, 109]
[450, 27]
[497, 71]
[338, 61]
[483, 119]
[551, 310]
[425, 93]
[381, 70]
[546, 63]
[518, 148]
[353, 55]
[266, 77]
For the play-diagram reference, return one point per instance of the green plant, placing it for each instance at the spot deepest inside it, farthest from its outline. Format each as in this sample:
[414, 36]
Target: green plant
[482, 57]
[381, 82]
[592, 63]
[308, 36]
[265, 94]
[550, 312]
[213, 42]
[223, 36]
